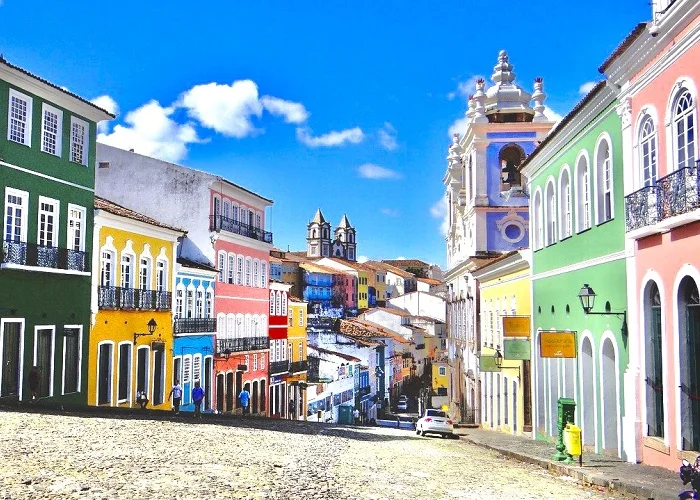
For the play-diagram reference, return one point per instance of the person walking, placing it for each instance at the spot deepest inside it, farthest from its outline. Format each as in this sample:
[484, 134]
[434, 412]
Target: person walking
[356, 416]
[244, 398]
[34, 381]
[197, 398]
[292, 410]
[176, 394]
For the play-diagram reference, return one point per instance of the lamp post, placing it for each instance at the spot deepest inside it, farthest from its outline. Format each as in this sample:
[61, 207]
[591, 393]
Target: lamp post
[587, 297]
[498, 358]
[151, 330]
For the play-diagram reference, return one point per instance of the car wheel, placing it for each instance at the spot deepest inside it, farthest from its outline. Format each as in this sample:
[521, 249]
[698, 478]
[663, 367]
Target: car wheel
[417, 432]
[422, 433]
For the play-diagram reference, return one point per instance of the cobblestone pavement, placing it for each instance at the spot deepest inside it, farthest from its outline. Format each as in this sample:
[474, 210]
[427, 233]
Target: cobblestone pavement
[62, 456]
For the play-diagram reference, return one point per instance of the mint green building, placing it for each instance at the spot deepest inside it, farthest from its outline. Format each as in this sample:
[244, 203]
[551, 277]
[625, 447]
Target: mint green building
[47, 180]
[577, 224]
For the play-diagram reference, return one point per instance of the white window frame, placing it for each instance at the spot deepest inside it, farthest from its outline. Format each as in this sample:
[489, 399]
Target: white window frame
[256, 273]
[161, 275]
[145, 266]
[190, 301]
[197, 373]
[239, 270]
[70, 237]
[648, 154]
[199, 302]
[675, 119]
[132, 257]
[24, 215]
[147, 389]
[583, 192]
[56, 204]
[47, 108]
[603, 184]
[86, 140]
[231, 259]
[263, 274]
[442, 371]
[209, 302]
[53, 352]
[80, 359]
[550, 213]
[565, 224]
[130, 373]
[27, 123]
[222, 266]
[111, 372]
[248, 271]
[180, 300]
[186, 375]
[272, 302]
[301, 316]
[284, 304]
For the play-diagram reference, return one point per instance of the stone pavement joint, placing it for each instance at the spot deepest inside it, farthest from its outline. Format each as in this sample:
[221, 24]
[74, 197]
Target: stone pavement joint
[612, 473]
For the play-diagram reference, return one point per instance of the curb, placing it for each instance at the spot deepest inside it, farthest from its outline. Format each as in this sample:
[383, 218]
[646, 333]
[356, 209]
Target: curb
[586, 477]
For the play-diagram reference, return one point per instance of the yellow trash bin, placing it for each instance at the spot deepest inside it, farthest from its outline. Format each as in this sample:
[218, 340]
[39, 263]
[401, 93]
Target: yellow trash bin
[572, 440]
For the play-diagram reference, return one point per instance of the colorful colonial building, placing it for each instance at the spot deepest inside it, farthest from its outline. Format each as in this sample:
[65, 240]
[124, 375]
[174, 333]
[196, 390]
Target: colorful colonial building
[298, 367]
[280, 349]
[47, 180]
[131, 340]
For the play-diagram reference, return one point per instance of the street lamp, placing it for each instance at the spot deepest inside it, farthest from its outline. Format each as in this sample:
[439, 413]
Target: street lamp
[498, 358]
[151, 330]
[587, 297]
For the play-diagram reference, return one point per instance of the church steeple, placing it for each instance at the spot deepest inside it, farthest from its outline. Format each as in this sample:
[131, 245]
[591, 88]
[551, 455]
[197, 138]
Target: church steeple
[318, 236]
[345, 241]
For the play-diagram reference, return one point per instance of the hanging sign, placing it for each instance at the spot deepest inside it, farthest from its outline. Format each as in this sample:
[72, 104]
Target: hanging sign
[488, 364]
[516, 349]
[558, 344]
[516, 326]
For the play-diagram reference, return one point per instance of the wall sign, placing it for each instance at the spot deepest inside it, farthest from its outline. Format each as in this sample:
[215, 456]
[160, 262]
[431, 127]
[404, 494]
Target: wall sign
[516, 349]
[558, 344]
[516, 326]
[488, 364]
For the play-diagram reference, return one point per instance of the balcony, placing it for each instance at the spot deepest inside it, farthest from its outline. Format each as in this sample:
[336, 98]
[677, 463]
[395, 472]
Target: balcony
[33, 255]
[279, 367]
[133, 299]
[241, 344]
[673, 201]
[194, 325]
[299, 366]
[364, 391]
[221, 223]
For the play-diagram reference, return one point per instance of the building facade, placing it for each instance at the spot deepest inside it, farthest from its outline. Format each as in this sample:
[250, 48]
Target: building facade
[280, 349]
[298, 367]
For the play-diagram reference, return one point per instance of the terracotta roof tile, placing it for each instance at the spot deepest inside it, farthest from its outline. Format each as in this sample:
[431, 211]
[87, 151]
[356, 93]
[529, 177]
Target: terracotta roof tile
[406, 263]
[113, 208]
[341, 355]
[624, 45]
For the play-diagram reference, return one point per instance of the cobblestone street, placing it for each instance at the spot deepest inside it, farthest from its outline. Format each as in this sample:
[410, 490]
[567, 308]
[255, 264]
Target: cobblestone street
[81, 457]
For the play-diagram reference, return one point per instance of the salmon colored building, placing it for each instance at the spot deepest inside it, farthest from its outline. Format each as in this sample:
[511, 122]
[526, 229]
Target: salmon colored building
[657, 73]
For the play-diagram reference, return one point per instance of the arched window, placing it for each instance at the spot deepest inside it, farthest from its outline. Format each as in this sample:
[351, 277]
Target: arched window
[510, 158]
[272, 302]
[107, 268]
[239, 270]
[537, 220]
[200, 303]
[222, 266]
[231, 267]
[647, 152]
[220, 325]
[234, 212]
[284, 304]
[689, 330]
[564, 204]
[654, 362]
[256, 272]
[278, 303]
[217, 206]
[313, 233]
[179, 300]
[583, 195]
[604, 181]
[227, 209]
[550, 215]
[189, 302]
[230, 326]
[684, 130]
[248, 265]
[325, 234]
[210, 303]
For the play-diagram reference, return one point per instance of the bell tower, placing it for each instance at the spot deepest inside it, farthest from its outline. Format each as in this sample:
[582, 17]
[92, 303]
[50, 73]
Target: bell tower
[345, 237]
[318, 236]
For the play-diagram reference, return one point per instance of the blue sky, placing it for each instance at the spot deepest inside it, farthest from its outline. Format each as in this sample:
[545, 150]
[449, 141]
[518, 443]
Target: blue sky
[344, 106]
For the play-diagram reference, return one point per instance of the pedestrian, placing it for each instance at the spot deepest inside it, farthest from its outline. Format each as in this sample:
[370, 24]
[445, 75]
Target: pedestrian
[142, 399]
[176, 394]
[292, 409]
[356, 416]
[244, 398]
[34, 380]
[197, 398]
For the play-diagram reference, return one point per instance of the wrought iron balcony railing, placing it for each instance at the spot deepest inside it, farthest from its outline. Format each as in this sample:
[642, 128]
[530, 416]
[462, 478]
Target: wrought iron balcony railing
[299, 366]
[194, 325]
[242, 344]
[674, 194]
[221, 223]
[115, 297]
[279, 367]
[364, 390]
[33, 255]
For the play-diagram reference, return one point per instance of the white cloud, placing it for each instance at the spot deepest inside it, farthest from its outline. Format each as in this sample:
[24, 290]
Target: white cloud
[464, 88]
[459, 126]
[387, 137]
[151, 131]
[439, 211]
[293, 112]
[586, 88]
[333, 138]
[362, 259]
[108, 104]
[227, 109]
[389, 212]
[400, 257]
[552, 115]
[372, 171]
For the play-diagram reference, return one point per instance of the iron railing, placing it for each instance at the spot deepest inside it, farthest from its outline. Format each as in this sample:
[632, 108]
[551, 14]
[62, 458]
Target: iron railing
[115, 297]
[221, 223]
[194, 325]
[279, 367]
[33, 255]
[674, 194]
[241, 344]
[299, 366]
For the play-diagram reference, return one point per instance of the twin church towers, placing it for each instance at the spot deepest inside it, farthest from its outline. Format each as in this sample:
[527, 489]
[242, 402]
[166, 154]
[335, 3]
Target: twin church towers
[319, 243]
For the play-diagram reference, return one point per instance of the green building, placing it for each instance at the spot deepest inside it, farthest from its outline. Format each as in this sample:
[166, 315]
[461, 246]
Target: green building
[47, 180]
[577, 224]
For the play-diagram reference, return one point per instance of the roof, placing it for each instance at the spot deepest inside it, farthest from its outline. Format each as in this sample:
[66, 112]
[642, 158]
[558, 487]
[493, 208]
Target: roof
[392, 269]
[624, 45]
[318, 217]
[344, 222]
[406, 263]
[317, 268]
[428, 319]
[498, 259]
[364, 328]
[246, 190]
[416, 329]
[355, 265]
[341, 355]
[429, 281]
[292, 298]
[391, 310]
[196, 265]
[113, 208]
[46, 82]
[588, 98]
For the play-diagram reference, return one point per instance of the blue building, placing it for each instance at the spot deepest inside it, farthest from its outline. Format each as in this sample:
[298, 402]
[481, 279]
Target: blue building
[317, 289]
[194, 330]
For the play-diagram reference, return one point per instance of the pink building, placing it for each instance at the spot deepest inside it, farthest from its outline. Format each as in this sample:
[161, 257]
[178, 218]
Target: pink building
[657, 71]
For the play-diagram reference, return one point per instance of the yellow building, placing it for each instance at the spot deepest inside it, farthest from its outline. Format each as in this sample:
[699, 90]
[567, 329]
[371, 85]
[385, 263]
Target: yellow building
[131, 339]
[377, 279]
[505, 373]
[296, 340]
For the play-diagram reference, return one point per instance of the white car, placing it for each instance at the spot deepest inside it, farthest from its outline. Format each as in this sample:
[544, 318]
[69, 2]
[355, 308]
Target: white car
[435, 422]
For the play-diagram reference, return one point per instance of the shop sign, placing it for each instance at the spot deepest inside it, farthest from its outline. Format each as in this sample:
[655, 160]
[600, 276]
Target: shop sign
[516, 326]
[488, 364]
[558, 344]
[516, 349]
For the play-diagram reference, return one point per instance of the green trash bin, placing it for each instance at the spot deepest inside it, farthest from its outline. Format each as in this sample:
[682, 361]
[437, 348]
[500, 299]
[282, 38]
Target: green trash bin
[345, 415]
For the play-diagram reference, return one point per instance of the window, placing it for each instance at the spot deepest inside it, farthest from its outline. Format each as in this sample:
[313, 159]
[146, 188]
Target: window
[231, 267]
[239, 271]
[197, 368]
[247, 272]
[255, 361]
[78, 141]
[126, 271]
[301, 316]
[186, 369]
[654, 362]
[16, 210]
[603, 169]
[51, 122]
[210, 304]
[124, 372]
[190, 302]
[263, 274]
[684, 130]
[19, 127]
[76, 233]
[442, 371]
[72, 339]
[284, 304]
[565, 204]
[262, 367]
[200, 304]
[227, 207]
[647, 152]
[258, 220]
[583, 195]
[48, 222]
[301, 351]
[278, 303]
[289, 351]
[179, 298]
[244, 215]
[256, 272]
[222, 266]
[107, 268]
[161, 276]
[290, 317]
[144, 273]
[272, 302]
[550, 215]
[142, 370]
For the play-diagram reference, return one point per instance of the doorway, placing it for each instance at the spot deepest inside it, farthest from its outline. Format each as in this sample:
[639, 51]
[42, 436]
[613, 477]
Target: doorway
[11, 359]
[220, 392]
[104, 374]
[610, 400]
[230, 392]
[207, 383]
[43, 358]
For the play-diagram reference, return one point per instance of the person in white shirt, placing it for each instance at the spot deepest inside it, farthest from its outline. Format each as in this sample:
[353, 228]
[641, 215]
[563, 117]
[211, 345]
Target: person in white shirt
[176, 394]
[356, 416]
